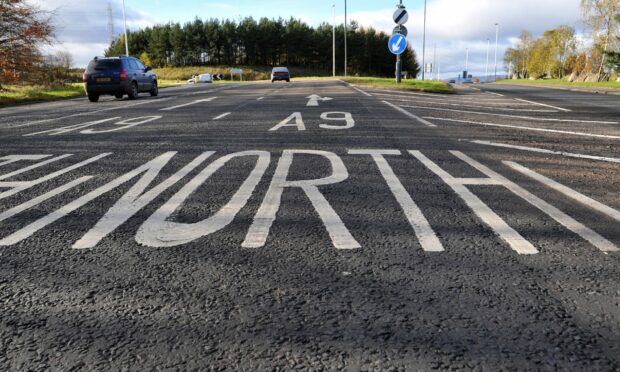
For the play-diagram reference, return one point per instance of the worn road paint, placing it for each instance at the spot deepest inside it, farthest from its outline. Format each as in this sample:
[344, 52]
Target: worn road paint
[299, 122]
[346, 117]
[71, 128]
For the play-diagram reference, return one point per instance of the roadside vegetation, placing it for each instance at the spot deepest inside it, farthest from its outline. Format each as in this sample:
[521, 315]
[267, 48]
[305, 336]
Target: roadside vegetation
[561, 54]
[428, 86]
[12, 94]
[560, 82]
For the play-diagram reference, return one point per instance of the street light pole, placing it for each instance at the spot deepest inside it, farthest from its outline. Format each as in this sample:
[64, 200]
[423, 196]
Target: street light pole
[334, 41]
[496, 47]
[486, 69]
[345, 38]
[424, 45]
[125, 23]
[467, 60]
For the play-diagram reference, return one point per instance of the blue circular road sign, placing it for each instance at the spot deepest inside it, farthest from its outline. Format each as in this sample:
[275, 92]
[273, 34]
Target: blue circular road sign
[397, 44]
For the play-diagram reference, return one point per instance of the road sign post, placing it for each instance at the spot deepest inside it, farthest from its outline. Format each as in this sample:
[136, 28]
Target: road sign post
[398, 41]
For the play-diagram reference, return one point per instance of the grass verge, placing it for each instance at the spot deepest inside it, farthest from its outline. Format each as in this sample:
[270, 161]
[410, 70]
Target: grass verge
[410, 85]
[602, 84]
[15, 94]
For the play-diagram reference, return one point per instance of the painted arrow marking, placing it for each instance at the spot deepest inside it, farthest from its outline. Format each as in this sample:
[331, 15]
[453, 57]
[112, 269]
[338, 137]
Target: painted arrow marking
[314, 100]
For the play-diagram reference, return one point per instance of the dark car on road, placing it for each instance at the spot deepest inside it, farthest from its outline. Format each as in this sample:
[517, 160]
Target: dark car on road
[280, 73]
[118, 76]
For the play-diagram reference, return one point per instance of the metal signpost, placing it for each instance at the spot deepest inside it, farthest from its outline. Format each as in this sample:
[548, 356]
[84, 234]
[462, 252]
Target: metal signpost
[398, 41]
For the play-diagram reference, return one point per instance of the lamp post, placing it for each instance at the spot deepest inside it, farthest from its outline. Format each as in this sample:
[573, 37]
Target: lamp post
[334, 41]
[467, 60]
[125, 23]
[345, 38]
[486, 69]
[424, 44]
[496, 47]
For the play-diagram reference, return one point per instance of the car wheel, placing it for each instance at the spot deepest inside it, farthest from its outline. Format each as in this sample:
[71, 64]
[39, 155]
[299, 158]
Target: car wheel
[93, 97]
[272, 81]
[288, 80]
[133, 93]
[119, 95]
[154, 89]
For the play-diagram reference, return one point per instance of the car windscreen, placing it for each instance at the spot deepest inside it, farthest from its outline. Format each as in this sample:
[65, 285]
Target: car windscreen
[104, 65]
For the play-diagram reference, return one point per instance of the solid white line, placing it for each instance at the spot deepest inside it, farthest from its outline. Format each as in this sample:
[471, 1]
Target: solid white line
[526, 128]
[515, 116]
[553, 212]
[429, 101]
[542, 104]
[495, 94]
[587, 201]
[427, 123]
[222, 116]
[188, 104]
[455, 98]
[359, 90]
[260, 98]
[91, 112]
[544, 151]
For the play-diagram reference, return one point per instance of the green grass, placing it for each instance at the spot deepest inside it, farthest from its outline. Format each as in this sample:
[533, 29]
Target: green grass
[411, 85]
[602, 84]
[15, 94]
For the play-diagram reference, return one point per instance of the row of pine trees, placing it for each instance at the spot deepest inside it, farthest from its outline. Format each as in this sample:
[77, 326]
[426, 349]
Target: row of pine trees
[266, 42]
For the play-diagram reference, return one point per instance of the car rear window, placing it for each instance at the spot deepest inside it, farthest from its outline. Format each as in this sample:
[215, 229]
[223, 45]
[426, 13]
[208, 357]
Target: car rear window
[104, 64]
[280, 69]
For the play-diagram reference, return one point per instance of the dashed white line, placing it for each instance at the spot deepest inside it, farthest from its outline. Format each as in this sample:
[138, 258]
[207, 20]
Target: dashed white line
[427, 123]
[188, 104]
[565, 190]
[544, 151]
[514, 116]
[222, 116]
[542, 104]
[525, 128]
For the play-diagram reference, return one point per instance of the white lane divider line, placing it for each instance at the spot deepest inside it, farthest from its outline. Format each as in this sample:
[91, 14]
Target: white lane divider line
[423, 230]
[513, 116]
[358, 89]
[570, 193]
[260, 98]
[427, 123]
[525, 128]
[543, 104]
[454, 98]
[91, 112]
[438, 103]
[188, 104]
[222, 116]
[495, 94]
[545, 151]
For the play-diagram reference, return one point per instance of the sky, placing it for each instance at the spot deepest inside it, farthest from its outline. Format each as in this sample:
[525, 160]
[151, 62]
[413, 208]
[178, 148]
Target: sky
[453, 26]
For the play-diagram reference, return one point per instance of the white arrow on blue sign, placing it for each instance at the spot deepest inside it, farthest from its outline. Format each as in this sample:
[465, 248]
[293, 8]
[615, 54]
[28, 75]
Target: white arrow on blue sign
[397, 44]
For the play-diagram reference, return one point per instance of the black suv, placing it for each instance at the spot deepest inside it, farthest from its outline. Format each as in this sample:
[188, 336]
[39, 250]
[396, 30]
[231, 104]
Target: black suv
[118, 76]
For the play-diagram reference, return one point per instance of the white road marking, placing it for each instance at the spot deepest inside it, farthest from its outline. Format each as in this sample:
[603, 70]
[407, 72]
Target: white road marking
[542, 104]
[513, 116]
[159, 231]
[562, 218]
[188, 104]
[124, 124]
[526, 128]
[266, 215]
[359, 90]
[41, 223]
[19, 186]
[486, 214]
[260, 98]
[40, 199]
[313, 100]
[425, 122]
[544, 151]
[423, 230]
[70, 128]
[346, 117]
[454, 98]
[222, 116]
[587, 201]
[427, 101]
[493, 93]
[135, 199]
[92, 112]
[10, 159]
[299, 122]
[33, 166]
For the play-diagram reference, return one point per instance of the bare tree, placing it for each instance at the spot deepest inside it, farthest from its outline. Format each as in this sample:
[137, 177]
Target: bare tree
[599, 15]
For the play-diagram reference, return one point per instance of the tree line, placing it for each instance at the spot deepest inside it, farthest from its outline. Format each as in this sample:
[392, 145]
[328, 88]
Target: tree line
[559, 53]
[264, 42]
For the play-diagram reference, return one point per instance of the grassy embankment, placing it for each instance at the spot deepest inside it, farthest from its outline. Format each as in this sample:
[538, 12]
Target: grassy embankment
[557, 82]
[13, 94]
[410, 85]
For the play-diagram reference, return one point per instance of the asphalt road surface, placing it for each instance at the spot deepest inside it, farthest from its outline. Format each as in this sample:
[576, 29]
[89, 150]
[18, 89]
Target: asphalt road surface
[312, 226]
